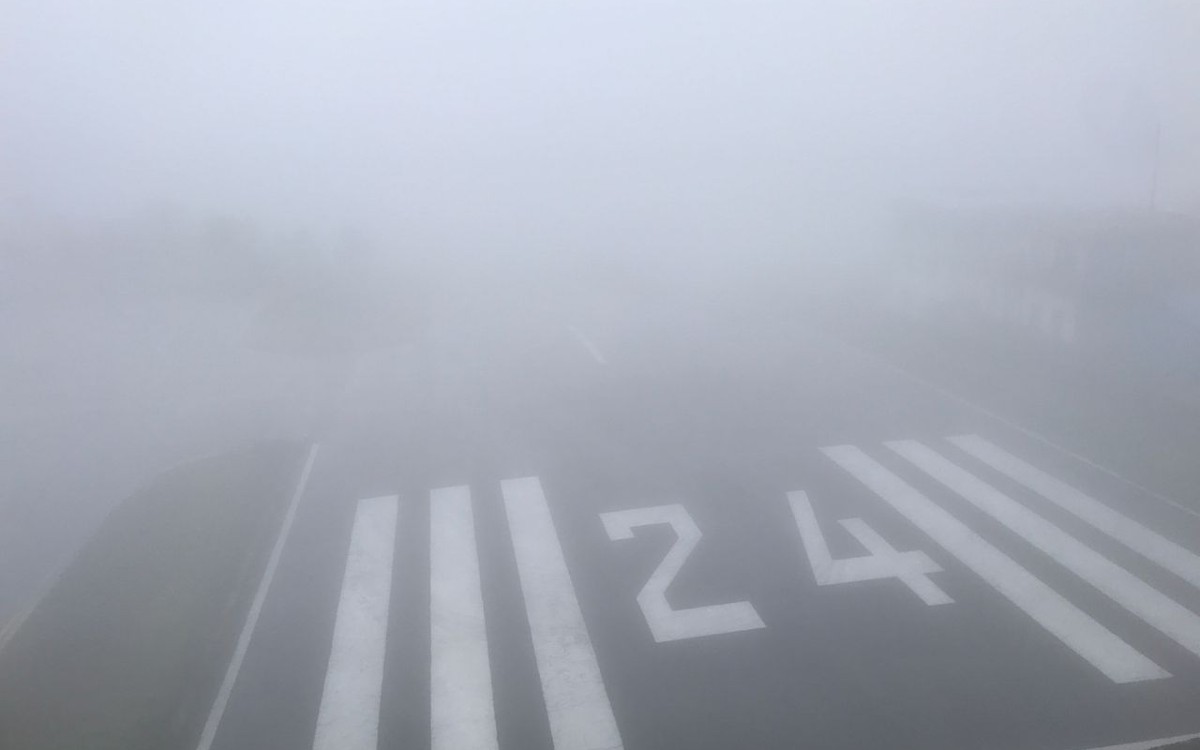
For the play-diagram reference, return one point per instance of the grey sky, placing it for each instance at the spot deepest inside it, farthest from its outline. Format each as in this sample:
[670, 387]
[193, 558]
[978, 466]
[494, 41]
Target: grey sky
[384, 114]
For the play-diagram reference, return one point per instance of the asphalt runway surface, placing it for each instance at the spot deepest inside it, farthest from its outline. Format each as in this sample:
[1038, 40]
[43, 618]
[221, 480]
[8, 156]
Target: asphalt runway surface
[671, 528]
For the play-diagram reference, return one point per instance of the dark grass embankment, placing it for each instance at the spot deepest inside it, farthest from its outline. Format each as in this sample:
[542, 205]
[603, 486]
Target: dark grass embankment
[127, 647]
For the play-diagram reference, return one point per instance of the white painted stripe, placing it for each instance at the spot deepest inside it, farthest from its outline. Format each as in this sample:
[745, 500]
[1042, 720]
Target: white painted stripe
[349, 715]
[463, 715]
[1031, 433]
[1082, 634]
[581, 717]
[1171, 618]
[1149, 544]
[1148, 744]
[587, 344]
[217, 711]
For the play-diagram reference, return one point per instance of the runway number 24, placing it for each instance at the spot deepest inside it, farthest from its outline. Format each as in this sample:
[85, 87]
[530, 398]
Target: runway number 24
[669, 624]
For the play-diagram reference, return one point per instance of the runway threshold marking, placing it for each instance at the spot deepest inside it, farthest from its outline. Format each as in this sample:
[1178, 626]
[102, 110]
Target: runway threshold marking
[581, 717]
[348, 718]
[1149, 544]
[1097, 645]
[1138, 597]
[1027, 431]
[463, 714]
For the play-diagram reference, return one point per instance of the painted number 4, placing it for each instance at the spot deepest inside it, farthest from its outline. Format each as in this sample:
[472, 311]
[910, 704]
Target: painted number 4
[667, 623]
[884, 561]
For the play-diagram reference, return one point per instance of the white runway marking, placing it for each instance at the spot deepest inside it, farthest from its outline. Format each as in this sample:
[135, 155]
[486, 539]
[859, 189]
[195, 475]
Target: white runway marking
[946, 392]
[884, 561]
[581, 717]
[1148, 744]
[243, 643]
[667, 623]
[1151, 545]
[1171, 618]
[587, 344]
[349, 715]
[463, 714]
[1115, 658]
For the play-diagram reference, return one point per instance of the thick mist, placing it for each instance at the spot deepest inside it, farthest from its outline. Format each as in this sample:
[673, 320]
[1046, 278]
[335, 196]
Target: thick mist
[219, 218]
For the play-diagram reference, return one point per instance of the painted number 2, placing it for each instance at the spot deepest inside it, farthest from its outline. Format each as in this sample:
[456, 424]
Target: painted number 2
[666, 623]
[884, 561]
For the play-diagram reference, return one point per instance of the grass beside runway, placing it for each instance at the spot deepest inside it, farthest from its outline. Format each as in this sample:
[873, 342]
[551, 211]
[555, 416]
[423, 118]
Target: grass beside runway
[128, 646]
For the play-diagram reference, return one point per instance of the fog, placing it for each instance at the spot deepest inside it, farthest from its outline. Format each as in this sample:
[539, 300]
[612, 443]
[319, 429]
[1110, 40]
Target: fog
[208, 151]
[223, 222]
